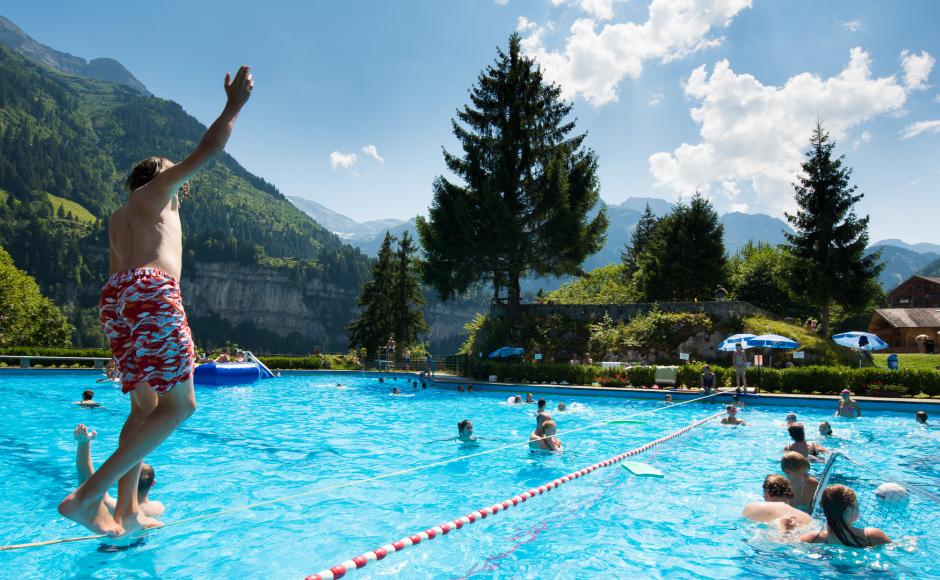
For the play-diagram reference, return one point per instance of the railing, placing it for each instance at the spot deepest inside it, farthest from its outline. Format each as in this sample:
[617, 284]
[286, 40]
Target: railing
[26, 360]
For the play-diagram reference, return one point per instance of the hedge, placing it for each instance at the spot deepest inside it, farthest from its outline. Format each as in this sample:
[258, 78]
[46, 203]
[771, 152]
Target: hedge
[50, 351]
[312, 362]
[822, 380]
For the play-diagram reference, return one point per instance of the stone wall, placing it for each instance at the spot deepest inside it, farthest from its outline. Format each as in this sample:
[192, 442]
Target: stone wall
[588, 312]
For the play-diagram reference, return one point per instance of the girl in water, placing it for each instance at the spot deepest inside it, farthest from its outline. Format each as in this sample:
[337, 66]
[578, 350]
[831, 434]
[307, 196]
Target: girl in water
[809, 449]
[848, 407]
[543, 438]
[841, 508]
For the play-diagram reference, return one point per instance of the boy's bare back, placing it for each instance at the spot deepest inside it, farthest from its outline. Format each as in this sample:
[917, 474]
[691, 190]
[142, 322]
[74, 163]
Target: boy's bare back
[146, 232]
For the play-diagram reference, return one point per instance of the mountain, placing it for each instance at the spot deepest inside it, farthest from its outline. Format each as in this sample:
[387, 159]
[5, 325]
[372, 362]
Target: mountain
[921, 248]
[104, 69]
[659, 206]
[900, 263]
[931, 269]
[741, 228]
[65, 144]
[345, 227]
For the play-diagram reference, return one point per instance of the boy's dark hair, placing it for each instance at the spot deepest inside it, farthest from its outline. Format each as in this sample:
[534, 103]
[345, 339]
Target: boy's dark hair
[144, 171]
[147, 475]
[88, 395]
[541, 403]
[463, 424]
[797, 432]
[778, 486]
[921, 416]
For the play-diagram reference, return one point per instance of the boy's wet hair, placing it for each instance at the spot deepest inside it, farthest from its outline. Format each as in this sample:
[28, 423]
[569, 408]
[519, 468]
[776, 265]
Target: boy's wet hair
[147, 476]
[88, 395]
[778, 486]
[793, 461]
[144, 171]
[797, 432]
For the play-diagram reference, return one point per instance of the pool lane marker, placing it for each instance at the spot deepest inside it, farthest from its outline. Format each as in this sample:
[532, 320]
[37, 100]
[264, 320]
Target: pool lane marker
[342, 569]
[350, 483]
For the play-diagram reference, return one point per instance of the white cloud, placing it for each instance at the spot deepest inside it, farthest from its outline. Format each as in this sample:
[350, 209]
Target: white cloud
[851, 25]
[917, 68]
[656, 98]
[501, 2]
[915, 129]
[865, 137]
[372, 152]
[593, 64]
[753, 135]
[344, 160]
[525, 25]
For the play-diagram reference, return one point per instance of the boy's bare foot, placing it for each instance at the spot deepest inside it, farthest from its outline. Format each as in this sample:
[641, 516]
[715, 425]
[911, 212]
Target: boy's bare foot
[90, 513]
[135, 522]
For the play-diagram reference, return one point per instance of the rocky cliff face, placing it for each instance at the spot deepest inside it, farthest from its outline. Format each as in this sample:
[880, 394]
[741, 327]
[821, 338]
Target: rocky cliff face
[269, 300]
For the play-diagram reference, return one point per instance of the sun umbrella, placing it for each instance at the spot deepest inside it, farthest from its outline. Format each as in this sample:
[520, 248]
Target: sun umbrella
[773, 341]
[921, 337]
[860, 341]
[729, 344]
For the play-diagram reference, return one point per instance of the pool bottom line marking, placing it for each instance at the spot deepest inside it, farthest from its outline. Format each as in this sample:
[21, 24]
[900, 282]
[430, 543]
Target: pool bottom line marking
[342, 569]
[349, 483]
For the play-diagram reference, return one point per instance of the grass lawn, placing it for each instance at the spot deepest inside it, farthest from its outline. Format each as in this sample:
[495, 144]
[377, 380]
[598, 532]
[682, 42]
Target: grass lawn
[919, 362]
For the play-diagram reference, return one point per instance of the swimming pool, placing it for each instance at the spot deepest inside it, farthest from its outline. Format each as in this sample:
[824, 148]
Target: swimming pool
[284, 436]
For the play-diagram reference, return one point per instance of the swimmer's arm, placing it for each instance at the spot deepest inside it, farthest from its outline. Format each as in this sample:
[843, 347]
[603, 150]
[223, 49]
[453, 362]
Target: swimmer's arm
[877, 537]
[238, 90]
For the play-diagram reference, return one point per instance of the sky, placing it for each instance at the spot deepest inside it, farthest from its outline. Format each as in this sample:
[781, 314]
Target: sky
[353, 99]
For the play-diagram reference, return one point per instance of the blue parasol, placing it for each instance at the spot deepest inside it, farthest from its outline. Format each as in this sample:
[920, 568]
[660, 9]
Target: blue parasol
[860, 341]
[773, 341]
[729, 344]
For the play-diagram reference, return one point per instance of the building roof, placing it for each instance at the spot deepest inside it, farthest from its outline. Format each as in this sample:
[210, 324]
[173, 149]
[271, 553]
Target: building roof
[911, 317]
[933, 279]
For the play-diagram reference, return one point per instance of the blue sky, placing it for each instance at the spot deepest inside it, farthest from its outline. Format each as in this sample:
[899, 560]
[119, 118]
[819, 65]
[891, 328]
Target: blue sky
[714, 95]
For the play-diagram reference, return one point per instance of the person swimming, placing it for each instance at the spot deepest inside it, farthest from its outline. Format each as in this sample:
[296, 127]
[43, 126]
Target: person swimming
[668, 398]
[528, 398]
[825, 429]
[796, 468]
[517, 400]
[848, 407]
[808, 449]
[561, 406]
[459, 388]
[776, 507]
[791, 418]
[465, 431]
[88, 400]
[840, 506]
[543, 438]
[921, 417]
[732, 418]
[396, 391]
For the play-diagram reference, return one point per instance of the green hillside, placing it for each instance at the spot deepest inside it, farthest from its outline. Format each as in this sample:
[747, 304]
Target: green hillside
[76, 138]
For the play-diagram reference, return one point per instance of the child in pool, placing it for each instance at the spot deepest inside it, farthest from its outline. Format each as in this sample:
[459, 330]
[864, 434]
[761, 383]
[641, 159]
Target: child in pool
[848, 407]
[840, 505]
[543, 438]
[825, 429]
[921, 417]
[465, 431]
[796, 467]
[776, 507]
[809, 449]
[732, 418]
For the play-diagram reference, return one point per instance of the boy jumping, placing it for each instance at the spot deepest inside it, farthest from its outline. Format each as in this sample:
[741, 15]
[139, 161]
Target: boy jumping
[142, 315]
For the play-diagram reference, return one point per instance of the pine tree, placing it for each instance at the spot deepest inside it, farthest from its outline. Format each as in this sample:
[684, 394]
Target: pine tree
[376, 321]
[408, 298]
[684, 258]
[828, 247]
[639, 240]
[528, 186]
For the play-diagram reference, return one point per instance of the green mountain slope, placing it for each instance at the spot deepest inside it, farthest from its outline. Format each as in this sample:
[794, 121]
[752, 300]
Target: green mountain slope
[75, 138]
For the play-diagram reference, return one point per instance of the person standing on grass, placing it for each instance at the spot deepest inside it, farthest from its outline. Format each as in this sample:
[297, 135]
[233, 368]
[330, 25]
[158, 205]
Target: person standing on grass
[142, 314]
[740, 366]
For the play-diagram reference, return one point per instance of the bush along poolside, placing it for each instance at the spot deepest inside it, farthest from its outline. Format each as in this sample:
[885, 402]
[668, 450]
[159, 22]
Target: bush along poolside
[818, 380]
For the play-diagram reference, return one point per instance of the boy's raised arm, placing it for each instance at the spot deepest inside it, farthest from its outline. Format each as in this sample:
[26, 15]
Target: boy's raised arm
[238, 91]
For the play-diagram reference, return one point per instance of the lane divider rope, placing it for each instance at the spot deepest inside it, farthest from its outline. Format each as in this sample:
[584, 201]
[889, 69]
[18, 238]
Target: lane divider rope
[342, 569]
[349, 483]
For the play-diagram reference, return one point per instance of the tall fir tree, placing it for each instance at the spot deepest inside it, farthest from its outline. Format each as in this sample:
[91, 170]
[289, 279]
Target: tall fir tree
[376, 321]
[828, 247]
[638, 241]
[528, 186]
[408, 297]
[684, 258]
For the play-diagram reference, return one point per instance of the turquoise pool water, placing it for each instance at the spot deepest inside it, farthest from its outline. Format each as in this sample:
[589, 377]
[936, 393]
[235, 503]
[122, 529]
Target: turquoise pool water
[281, 437]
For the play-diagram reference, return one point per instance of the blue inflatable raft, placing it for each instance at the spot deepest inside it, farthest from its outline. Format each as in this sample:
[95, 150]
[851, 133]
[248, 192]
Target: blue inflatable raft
[216, 374]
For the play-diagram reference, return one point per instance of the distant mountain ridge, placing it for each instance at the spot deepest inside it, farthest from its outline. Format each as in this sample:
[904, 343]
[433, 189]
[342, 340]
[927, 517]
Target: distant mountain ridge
[921, 248]
[103, 69]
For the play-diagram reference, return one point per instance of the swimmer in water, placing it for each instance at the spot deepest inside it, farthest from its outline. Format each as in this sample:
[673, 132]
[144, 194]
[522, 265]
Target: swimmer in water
[825, 429]
[528, 398]
[381, 379]
[848, 407]
[796, 467]
[340, 386]
[791, 418]
[562, 406]
[395, 391]
[732, 418]
[808, 449]
[465, 431]
[543, 438]
[88, 400]
[541, 414]
[668, 399]
[517, 400]
[459, 388]
[840, 506]
[921, 417]
[86, 468]
[778, 495]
